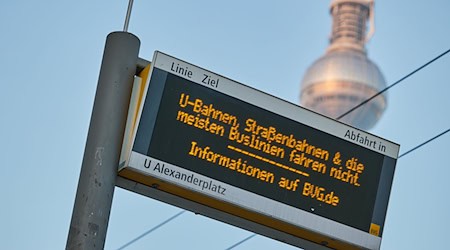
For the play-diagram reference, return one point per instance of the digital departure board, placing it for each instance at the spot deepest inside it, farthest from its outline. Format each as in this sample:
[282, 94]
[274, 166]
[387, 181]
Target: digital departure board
[228, 146]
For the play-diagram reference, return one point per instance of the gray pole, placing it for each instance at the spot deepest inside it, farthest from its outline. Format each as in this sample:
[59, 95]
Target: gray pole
[127, 17]
[95, 191]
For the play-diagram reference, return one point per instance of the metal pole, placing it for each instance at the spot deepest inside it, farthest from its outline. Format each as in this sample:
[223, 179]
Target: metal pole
[96, 184]
[127, 17]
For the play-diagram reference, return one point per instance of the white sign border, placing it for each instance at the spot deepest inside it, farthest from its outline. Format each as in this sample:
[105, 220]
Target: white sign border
[257, 203]
[276, 105]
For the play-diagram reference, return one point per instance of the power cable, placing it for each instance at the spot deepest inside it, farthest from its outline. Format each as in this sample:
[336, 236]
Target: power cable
[151, 230]
[392, 85]
[424, 143]
[240, 242]
[338, 118]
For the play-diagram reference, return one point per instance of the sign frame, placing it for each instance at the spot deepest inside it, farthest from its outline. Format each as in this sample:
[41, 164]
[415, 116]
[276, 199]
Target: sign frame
[291, 225]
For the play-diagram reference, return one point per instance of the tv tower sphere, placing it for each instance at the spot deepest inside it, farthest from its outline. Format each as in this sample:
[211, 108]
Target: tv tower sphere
[344, 77]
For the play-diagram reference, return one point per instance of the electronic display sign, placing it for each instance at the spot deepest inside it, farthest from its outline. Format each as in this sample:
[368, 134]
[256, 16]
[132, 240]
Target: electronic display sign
[225, 145]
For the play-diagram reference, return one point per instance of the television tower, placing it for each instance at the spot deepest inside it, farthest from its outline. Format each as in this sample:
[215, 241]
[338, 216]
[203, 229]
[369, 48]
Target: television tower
[344, 77]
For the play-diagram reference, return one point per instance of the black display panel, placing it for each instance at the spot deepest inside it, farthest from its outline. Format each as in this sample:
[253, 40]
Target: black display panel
[230, 140]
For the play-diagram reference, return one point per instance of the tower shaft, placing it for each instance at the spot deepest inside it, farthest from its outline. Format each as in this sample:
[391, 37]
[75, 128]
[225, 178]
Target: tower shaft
[349, 24]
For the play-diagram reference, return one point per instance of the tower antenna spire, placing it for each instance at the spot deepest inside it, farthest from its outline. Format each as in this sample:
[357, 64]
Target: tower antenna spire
[349, 24]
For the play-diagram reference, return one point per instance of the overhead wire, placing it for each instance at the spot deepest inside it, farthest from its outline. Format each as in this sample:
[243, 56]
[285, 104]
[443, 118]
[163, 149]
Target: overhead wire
[424, 143]
[393, 84]
[338, 118]
[240, 242]
[151, 230]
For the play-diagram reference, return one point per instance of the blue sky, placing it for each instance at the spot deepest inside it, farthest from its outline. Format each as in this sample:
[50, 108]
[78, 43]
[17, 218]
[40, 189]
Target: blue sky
[50, 55]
